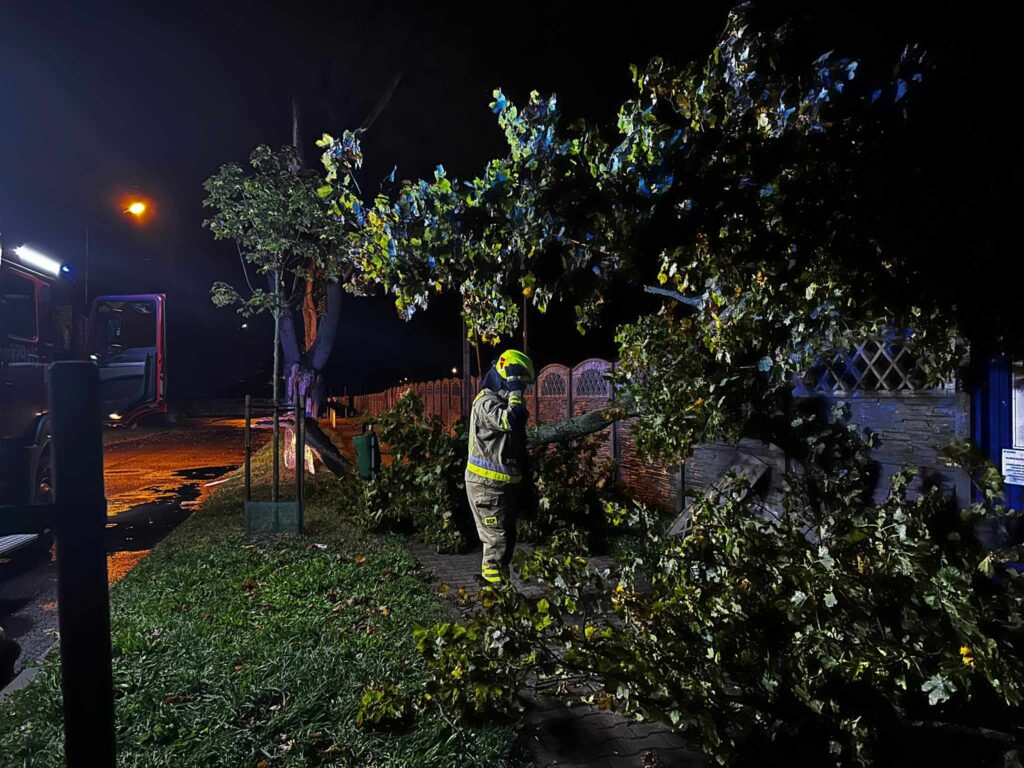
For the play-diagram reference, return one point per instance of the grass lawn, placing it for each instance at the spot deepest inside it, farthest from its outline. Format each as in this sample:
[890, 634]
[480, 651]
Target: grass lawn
[231, 651]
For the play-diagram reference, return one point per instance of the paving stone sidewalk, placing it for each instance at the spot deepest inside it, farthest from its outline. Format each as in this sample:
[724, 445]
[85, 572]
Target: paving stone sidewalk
[577, 736]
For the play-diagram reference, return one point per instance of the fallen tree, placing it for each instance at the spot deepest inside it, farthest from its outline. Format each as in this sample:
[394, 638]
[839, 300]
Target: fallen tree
[787, 209]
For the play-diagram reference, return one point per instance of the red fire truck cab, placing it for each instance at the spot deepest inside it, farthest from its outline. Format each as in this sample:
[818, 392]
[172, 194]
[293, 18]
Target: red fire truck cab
[124, 335]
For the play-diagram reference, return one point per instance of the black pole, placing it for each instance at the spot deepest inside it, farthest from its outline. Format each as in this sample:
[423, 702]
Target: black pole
[276, 487]
[248, 448]
[83, 605]
[299, 459]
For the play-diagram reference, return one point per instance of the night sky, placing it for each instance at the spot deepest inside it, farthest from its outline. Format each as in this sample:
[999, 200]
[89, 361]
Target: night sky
[103, 99]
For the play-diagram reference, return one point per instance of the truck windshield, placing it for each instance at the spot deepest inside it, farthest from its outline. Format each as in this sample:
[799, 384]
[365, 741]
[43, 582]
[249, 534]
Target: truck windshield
[121, 325]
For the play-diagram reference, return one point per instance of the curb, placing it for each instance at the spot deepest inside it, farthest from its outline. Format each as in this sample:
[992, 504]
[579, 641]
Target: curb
[26, 676]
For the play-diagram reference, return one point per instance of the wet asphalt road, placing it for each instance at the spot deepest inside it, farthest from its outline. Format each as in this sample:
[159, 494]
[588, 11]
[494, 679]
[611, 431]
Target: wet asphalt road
[154, 479]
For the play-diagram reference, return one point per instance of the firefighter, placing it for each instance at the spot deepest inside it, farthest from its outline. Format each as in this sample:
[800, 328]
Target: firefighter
[498, 465]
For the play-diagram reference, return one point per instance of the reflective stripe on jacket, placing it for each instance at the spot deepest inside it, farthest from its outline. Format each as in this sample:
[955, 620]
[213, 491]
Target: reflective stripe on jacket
[496, 445]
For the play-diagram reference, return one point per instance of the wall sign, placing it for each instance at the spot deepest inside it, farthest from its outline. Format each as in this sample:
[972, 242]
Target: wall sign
[1013, 466]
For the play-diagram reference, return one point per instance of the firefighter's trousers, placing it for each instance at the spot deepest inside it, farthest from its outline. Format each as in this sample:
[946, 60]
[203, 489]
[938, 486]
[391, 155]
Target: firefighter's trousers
[494, 511]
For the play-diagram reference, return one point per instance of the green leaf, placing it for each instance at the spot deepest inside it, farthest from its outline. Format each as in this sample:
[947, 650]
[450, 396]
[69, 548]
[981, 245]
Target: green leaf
[938, 689]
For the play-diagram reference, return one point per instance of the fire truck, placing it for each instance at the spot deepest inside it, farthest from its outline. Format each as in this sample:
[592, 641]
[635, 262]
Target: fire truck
[42, 320]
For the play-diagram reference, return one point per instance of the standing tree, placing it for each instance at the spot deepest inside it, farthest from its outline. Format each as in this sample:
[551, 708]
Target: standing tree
[282, 227]
[283, 233]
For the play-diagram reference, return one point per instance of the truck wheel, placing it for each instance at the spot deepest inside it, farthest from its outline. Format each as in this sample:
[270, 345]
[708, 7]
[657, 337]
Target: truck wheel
[42, 493]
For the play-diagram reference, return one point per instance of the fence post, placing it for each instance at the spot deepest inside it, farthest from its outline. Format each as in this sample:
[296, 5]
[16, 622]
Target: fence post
[83, 604]
[569, 386]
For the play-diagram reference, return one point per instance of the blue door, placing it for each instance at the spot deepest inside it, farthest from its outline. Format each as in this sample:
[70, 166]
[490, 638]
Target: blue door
[996, 424]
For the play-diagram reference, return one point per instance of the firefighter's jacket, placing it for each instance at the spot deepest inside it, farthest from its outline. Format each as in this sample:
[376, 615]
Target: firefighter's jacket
[497, 440]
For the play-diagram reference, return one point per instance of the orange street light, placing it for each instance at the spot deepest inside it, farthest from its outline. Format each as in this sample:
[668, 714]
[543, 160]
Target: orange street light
[136, 208]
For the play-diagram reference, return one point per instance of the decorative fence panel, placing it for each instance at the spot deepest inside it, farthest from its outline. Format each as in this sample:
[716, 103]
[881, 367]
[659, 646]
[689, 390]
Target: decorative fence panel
[592, 391]
[552, 398]
[880, 364]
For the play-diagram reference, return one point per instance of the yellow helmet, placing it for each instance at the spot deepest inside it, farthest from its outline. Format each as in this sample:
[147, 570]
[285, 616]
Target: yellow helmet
[514, 357]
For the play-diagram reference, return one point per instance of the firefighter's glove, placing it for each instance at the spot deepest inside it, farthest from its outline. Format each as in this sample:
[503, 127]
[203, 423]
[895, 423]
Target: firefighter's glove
[516, 377]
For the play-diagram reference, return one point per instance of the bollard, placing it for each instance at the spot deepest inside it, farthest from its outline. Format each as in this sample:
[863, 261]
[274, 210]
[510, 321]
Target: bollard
[248, 448]
[300, 454]
[83, 605]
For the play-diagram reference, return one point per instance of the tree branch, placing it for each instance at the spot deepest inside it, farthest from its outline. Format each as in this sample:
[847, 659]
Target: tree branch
[381, 103]
[297, 132]
[692, 301]
[289, 340]
[245, 271]
[967, 730]
[590, 247]
[576, 427]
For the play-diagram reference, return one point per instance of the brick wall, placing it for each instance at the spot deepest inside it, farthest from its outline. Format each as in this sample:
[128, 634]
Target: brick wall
[650, 482]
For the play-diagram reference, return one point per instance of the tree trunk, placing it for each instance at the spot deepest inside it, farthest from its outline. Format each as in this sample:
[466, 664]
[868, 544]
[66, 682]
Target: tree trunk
[304, 367]
[309, 318]
[304, 374]
[328, 452]
[576, 427]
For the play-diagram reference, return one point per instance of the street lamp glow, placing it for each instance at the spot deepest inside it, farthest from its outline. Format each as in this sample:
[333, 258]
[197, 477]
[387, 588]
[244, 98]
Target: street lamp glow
[137, 208]
[40, 261]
